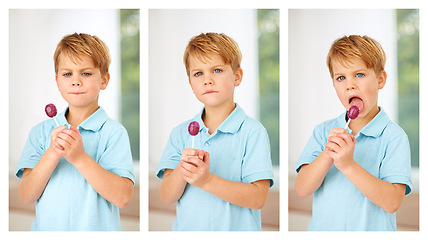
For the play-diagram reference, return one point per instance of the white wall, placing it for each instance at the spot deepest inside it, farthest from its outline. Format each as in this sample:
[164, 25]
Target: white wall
[170, 96]
[312, 98]
[33, 36]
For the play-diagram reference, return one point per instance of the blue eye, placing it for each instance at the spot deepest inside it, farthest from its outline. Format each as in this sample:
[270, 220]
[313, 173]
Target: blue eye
[341, 78]
[360, 75]
[217, 71]
[67, 74]
[198, 74]
[86, 74]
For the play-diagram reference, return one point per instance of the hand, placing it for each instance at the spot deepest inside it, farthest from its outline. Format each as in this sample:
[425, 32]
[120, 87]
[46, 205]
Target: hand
[69, 144]
[54, 144]
[340, 147]
[196, 169]
[191, 152]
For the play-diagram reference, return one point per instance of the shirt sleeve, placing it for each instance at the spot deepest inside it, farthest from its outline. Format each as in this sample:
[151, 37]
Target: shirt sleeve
[172, 153]
[117, 156]
[313, 148]
[33, 150]
[396, 166]
[257, 163]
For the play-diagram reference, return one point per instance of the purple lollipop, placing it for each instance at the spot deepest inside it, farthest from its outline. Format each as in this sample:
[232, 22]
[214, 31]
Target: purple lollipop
[50, 110]
[193, 130]
[353, 113]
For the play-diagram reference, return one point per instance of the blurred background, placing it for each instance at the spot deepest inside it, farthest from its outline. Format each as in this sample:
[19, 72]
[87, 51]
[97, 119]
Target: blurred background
[312, 98]
[171, 100]
[33, 36]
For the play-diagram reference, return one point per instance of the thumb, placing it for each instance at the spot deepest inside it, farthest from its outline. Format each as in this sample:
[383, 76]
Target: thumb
[206, 158]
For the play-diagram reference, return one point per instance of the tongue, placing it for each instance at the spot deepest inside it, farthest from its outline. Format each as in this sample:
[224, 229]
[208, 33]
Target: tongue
[357, 102]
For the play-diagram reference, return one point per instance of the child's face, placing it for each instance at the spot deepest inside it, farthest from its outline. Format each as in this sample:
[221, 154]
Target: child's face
[80, 82]
[357, 81]
[214, 81]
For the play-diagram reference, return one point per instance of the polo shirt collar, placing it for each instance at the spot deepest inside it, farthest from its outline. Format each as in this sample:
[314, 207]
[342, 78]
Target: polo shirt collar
[232, 123]
[92, 123]
[375, 127]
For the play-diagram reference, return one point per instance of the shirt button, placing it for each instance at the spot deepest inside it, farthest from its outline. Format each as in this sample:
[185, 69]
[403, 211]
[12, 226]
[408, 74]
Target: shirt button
[207, 144]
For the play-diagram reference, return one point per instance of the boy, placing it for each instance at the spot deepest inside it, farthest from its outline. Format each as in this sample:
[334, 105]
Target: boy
[223, 182]
[79, 173]
[359, 179]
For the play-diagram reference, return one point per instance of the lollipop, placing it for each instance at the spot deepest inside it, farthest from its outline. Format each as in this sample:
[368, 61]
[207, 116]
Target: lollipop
[193, 130]
[353, 113]
[50, 110]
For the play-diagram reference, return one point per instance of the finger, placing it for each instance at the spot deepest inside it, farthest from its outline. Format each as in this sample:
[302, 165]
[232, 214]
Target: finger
[330, 153]
[59, 151]
[347, 137]
[195, 161]
[58, 146]
[72, 133]
[65, 137]
[64, 144]
[184, 171]
[337, 140]
[206, 158]
[331, 146]
[74, 129]
[58, 130]
[188, 166]
[335, 131]
[188, 152]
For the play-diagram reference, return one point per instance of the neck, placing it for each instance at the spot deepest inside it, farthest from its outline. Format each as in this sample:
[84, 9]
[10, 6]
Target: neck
[214, 116]
[76, 115]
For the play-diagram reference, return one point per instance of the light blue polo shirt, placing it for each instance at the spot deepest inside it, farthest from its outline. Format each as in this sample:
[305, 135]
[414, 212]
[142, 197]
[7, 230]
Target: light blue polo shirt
[69, 203]
[383, 150]
[239, 151]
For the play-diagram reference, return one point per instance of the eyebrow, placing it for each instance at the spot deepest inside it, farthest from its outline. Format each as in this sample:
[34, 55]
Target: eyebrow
[214, 67]
[80, 69]
[355, 71]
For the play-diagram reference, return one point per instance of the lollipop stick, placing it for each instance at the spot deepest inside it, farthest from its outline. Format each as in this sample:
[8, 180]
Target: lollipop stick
[57, 125]
[193, 141]
[347, 123]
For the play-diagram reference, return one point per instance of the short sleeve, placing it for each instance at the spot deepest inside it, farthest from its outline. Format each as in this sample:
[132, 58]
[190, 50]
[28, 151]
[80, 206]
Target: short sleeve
[34, 149]
[117, 157]
[313, 148]
[172, 153]
[257, 163]
[396, 166]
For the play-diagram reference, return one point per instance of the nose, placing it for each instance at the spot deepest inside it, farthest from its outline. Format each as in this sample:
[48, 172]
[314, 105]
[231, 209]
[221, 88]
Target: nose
[208, 80]
[75, 82]
[350, 85]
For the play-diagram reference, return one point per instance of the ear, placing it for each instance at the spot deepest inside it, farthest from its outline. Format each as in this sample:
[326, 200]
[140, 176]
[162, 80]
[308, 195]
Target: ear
[238, 76]
[381, 79]
[105, 80]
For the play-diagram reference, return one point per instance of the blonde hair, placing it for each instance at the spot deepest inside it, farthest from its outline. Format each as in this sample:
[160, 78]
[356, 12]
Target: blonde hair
[355, 46]
[208, 43]
[78, 44]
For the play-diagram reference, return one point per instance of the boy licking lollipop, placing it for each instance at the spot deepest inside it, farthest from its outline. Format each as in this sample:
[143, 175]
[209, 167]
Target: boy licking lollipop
[359, 179]
[80, 173]
[223, 182]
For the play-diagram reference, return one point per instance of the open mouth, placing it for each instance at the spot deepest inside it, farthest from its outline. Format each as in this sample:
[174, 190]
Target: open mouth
[356, 101]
